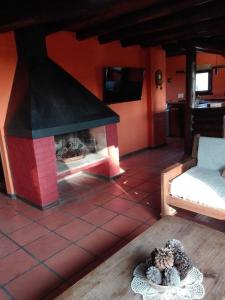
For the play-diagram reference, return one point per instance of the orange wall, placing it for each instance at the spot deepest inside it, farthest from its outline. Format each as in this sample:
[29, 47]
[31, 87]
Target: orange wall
[178, 80]
[8, 59]
[177, 84]
[85, 61]
[157, 58]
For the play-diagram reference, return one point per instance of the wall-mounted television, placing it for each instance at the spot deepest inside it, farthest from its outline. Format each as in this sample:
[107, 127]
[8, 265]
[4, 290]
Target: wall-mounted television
[122, 84]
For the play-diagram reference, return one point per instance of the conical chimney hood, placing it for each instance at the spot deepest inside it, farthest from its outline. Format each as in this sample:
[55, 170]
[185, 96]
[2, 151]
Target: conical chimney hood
[45, 99]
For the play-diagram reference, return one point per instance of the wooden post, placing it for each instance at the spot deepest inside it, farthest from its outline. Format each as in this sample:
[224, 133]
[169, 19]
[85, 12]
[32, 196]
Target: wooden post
[190, 96]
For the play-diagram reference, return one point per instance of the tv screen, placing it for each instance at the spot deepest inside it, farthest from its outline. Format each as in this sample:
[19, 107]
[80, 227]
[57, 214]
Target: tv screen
[122, 84]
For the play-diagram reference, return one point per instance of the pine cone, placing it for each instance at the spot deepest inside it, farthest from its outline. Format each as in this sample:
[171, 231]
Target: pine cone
[171, 277]
[148, 262]
[183, 263]
[163, 258]
[153, 274]
[174, 245]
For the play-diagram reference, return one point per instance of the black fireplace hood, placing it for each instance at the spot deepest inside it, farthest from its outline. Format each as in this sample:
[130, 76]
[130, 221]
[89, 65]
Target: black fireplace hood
[45, 99]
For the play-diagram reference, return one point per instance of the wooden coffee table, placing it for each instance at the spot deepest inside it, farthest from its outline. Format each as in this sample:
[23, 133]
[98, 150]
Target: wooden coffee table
[111, 280]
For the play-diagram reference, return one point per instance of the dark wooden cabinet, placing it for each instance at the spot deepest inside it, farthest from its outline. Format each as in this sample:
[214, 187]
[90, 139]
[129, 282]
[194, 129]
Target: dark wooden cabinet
[208, 121]
[175, 122]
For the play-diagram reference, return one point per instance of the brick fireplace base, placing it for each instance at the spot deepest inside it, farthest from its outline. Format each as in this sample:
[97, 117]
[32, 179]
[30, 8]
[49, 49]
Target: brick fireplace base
[33, 165]
[34, 169]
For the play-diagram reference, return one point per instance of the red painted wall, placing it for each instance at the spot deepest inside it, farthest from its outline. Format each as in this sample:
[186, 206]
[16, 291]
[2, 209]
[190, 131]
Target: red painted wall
[157, 96]
[177, 84]
[178, 80]
[85, 61]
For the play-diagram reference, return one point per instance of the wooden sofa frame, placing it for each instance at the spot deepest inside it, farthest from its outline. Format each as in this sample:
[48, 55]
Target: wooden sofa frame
[168, 202]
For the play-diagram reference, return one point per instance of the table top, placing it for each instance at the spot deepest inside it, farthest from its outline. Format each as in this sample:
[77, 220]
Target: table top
[111, 280]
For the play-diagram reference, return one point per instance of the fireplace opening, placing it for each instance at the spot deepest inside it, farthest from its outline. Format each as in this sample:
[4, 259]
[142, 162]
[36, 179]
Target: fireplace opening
[80, 149]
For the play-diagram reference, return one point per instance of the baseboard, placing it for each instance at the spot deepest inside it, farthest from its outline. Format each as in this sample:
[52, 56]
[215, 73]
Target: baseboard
[53, 204]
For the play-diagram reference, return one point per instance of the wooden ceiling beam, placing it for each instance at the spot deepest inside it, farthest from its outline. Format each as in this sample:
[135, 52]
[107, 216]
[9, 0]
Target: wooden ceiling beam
[203, 12]
[80, 13]
[184, 32]
[163, 8]
[201, 45]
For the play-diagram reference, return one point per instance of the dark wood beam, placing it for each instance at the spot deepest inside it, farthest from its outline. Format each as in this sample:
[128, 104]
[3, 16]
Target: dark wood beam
[163, 8]
[80, 13]
[210, 47]
[203, 29]
[201, 45]
[190, 97]
[204, 12]
[174, 49]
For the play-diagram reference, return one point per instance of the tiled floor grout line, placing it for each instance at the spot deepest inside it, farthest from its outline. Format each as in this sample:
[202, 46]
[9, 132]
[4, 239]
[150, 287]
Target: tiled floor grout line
[98, 226]
[7, 292]
[34, 257]
[124, 239]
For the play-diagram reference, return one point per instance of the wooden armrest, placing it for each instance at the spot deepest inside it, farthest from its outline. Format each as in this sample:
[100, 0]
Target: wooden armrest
[166, 176]
[178, 168]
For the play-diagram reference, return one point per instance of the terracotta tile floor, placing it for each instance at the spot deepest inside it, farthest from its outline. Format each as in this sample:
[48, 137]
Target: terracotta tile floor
[44, 252]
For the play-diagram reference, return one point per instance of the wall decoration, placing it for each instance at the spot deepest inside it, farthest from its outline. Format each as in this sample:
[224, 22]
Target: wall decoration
[158, 79]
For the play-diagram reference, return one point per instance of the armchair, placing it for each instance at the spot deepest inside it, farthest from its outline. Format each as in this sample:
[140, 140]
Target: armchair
[197, 184]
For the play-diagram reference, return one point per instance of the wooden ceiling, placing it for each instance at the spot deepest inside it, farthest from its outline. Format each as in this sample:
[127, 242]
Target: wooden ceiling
[174, 24]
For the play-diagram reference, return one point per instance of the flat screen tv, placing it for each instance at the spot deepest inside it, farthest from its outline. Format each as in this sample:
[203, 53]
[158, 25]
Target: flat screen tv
[122, 84]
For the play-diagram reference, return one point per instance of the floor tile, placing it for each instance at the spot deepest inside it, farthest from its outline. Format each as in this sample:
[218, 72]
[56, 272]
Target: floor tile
[28, 234]
[134, 195]
[139, 230]
[36, 214]
[69, 261]
[7, 212]
[114, 249]
[130, 182]
[139, 212]
[78, 209]
[46, 246]
[7, 247]
[119, 204]
[9, 224]
[34, 285]
[100, 198]
[55, 220]
[115, 189]
[149, 187]
[14, 265]
[75, 230]
[56, 292]
[99, 216]
[121, 225]
[99, 241]
[4, 295]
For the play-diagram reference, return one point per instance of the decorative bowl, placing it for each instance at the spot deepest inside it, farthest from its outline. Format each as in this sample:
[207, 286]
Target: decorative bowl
[189, 289]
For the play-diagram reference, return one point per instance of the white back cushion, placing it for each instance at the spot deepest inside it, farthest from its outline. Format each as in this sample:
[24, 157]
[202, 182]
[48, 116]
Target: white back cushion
[211, 153]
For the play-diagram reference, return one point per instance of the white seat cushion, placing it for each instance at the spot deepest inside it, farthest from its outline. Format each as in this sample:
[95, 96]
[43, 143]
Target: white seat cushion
[202, 186]
[211, 153]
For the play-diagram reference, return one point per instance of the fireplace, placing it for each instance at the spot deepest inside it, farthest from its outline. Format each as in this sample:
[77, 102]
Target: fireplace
[54, 125]
[80, 150]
